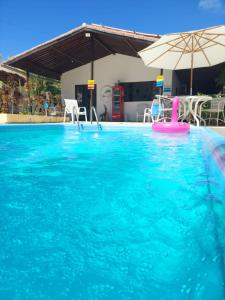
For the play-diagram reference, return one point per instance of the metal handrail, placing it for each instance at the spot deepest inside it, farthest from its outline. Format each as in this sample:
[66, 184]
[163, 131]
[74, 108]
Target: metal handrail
[77, 118]
[93, 110]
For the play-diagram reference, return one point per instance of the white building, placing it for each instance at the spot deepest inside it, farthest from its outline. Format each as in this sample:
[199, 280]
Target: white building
[105, 54]
[108, 71]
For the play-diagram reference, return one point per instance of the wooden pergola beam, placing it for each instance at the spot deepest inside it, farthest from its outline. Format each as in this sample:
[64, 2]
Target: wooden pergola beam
[48, 71]
[104, 45]
[131, 47]
[71, 58]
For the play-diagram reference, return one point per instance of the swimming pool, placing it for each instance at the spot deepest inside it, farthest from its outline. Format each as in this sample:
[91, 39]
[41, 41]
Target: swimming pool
[124, 213]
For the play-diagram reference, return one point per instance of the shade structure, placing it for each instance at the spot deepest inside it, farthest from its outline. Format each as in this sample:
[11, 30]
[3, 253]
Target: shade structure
[8, 74]
[78, 47]
[187, 50]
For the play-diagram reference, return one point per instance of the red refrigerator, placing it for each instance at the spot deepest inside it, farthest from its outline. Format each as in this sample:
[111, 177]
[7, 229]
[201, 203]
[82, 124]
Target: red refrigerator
[118, 103]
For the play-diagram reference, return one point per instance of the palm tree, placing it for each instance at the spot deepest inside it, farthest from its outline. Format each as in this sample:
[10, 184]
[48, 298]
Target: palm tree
[41, 85]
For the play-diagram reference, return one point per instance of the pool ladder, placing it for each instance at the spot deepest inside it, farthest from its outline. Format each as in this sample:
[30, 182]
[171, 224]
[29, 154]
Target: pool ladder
[92, 113]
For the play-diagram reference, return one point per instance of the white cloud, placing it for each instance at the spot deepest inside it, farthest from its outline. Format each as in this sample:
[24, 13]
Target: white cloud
[213, 5]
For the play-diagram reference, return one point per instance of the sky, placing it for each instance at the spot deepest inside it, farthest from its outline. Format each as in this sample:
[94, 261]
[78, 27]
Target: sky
[27, 23]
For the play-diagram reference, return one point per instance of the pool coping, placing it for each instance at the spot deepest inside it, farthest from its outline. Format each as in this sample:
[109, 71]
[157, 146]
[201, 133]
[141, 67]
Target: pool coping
[116, 124]
[220, 130]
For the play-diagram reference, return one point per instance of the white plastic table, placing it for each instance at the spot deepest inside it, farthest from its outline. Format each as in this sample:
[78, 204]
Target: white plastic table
[190, 106]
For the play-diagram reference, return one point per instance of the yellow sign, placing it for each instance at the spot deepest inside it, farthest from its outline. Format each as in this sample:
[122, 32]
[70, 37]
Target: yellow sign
[91, 82]
[160, 78]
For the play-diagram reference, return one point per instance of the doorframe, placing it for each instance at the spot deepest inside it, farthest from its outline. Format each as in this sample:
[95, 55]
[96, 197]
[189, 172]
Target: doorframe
[88, 92]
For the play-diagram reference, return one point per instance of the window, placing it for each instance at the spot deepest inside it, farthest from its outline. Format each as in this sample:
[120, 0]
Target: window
[139, 91]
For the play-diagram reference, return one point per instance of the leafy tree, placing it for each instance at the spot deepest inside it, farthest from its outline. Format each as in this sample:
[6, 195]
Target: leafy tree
[40, 85]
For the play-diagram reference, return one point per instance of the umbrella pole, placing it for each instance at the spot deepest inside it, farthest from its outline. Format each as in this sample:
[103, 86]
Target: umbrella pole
[192, 64]
[92, 77]
[191, 82]
[161, 88]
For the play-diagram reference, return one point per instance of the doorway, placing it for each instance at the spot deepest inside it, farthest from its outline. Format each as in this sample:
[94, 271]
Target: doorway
[82, 94]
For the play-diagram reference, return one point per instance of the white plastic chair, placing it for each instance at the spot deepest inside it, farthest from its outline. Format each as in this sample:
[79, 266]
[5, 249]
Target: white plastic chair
[215, 110]
[147, 115]
[71, 107]
[52, 111]
[166, 103]
[141, 110]
[155, 113]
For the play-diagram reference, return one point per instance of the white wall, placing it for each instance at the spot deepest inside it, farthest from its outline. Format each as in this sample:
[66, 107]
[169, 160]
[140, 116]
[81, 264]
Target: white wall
[107, 72]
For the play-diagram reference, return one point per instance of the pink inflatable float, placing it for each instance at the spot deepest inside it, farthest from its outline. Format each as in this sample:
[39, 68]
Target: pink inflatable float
[174, 126]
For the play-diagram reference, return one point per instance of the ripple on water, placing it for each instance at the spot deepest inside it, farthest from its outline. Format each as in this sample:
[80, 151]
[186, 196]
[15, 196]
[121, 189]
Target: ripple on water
[114, 215]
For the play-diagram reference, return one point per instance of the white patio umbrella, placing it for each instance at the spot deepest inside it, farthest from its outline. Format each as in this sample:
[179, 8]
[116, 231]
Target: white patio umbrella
[187, 50]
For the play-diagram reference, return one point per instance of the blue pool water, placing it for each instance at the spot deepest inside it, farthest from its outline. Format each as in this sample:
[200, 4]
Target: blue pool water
[119, 214]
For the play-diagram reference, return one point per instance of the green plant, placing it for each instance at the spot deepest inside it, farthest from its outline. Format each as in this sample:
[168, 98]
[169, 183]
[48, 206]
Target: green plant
[200, 94]
[39, 85]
